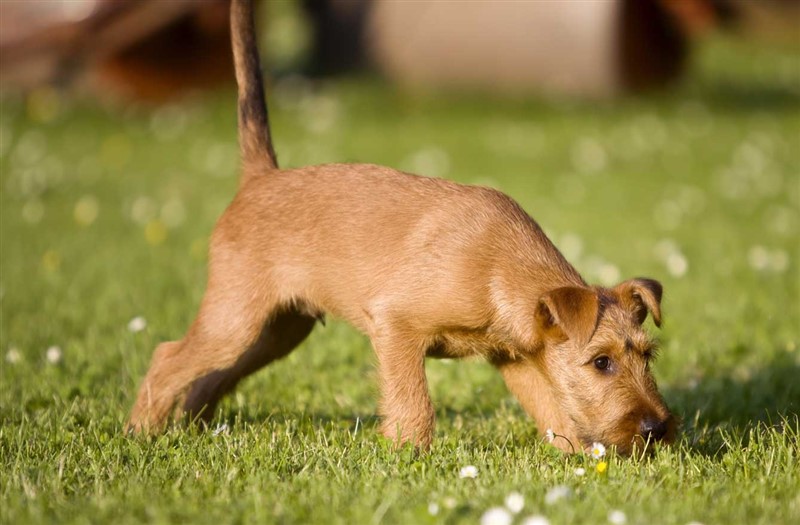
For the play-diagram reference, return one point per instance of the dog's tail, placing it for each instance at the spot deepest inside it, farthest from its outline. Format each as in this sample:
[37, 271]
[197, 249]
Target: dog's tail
[255, 141]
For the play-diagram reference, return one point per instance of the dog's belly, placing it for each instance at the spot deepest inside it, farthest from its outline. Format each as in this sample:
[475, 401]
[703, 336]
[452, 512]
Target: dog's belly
[465, 342]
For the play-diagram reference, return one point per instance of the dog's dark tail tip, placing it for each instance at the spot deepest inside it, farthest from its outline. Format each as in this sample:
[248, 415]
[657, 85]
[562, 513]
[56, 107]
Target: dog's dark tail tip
[255, 140]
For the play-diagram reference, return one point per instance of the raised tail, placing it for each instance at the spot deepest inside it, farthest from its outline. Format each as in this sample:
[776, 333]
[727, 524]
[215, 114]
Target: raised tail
[255, 141]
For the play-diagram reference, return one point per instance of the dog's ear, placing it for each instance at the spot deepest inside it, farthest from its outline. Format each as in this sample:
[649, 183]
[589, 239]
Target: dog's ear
[640, 296]
[569, 312]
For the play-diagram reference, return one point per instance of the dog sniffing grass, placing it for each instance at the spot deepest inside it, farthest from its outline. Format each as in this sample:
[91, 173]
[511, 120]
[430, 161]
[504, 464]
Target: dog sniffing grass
[105, 219]
[422, 266]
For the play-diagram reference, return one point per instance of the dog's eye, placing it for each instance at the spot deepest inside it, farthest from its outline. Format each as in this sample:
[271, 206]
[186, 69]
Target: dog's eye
[601, 363]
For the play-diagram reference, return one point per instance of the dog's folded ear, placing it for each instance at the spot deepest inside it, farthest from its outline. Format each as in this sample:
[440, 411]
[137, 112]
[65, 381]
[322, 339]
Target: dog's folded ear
[569, 312]
[641, 295]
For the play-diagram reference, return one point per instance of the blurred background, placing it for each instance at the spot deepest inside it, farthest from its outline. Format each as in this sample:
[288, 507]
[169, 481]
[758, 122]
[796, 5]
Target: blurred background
[648, 137]
[154, 50]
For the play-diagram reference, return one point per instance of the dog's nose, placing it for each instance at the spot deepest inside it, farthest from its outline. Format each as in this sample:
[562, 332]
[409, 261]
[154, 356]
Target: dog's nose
[653, 429]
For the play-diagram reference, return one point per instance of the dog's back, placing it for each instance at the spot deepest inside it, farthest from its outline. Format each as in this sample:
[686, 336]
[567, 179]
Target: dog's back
[360, 241]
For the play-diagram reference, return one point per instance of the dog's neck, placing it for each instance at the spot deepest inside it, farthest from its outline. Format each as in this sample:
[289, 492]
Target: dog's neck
[519, 281]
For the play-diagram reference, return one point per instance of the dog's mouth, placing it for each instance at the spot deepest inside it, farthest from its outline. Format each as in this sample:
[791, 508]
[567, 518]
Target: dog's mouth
[630, 441]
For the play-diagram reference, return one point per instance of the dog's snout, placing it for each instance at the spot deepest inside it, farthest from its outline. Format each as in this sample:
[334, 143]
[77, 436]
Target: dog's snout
[653, 429]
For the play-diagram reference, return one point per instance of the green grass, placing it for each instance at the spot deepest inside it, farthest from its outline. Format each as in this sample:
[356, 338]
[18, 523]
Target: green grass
[105, 216]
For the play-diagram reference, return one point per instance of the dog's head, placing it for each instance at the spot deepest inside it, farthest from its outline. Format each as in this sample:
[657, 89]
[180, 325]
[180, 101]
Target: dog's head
[590, 380]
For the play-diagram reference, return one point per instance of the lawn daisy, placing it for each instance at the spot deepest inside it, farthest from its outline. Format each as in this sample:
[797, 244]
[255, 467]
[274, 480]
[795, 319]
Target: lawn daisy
[514, 502]
[551, 436]
[53, 355]
[433, 508]
[496, 516]
[470, 471]
[536, 519]
[617, 517]
[86, 210]
[143, 210]
[556, 494]
[677, 265]
[13, 356]
[137, 324]
[598, 450]
[173, 213]
[580, 472]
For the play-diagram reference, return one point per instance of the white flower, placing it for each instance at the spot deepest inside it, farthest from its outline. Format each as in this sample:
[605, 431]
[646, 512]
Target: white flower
[551, 436]
[762, 259]
[758, 257]
[432, 162]
[433, 508]
[617, 517]
[665, 247]
[537, 519]
[221, 429]
[53, 355]
[137, 324]
[86, 210]
[598, 450]
[449, 502]
[143, 210]
[13, 356]
[514, 502]
[173, 213]
[470, 471]
[571, 246]
[608, 274]
[496, 516]
[677, 265]
[580, 471]
[557, 493]
[780, 261]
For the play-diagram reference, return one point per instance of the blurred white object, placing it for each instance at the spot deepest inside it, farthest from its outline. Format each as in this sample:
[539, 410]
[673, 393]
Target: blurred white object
[564, 46]
[593, 49]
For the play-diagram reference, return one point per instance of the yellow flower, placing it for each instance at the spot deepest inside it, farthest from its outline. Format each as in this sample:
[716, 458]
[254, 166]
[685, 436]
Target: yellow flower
[51, 261]
[155, 232]
[602, 467]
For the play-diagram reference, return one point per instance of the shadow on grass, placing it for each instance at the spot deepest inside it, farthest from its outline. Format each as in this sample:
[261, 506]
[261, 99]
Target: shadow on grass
[724, 402]
[350, 421]
[301, 419]
[736, 404]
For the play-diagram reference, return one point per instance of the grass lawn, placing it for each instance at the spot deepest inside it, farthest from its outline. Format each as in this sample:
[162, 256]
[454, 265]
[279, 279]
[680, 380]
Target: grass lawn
[105, 216]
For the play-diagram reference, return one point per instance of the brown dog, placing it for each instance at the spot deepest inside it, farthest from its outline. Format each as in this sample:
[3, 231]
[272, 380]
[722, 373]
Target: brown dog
[424, 267]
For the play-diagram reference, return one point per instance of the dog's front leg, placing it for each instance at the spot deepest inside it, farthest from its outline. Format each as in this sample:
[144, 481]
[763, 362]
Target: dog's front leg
[405, 405]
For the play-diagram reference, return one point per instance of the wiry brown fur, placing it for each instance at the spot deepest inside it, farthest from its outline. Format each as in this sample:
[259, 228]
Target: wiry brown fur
[424, 267]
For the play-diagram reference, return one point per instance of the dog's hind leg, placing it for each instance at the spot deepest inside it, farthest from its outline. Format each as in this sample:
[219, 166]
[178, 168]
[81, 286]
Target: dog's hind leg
[278, 338]
[240, 328]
